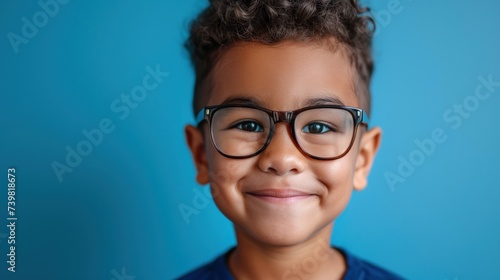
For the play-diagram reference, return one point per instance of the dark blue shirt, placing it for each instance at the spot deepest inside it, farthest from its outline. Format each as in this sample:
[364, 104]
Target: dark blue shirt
[357, 269]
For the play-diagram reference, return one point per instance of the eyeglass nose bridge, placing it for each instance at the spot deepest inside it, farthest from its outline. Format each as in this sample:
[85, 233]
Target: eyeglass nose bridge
[277, 117]
[282, 117]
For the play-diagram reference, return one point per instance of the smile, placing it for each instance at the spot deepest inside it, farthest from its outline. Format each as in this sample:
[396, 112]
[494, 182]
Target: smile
[280, 195]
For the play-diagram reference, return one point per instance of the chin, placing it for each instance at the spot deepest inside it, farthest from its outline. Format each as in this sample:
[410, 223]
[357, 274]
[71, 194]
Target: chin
[281, 234]
[284, 240]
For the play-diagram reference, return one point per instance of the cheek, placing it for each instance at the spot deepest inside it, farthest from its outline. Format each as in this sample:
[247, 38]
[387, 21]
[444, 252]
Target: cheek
[224, 175]
[225, 172]
[337, 179]
[337, 174]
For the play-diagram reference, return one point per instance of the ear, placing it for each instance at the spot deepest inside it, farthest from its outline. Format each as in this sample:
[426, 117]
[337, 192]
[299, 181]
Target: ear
[196, 143]
[368, 147]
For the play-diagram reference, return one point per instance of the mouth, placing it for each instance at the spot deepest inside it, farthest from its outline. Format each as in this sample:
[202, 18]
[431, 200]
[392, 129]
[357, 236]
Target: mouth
[280, 195]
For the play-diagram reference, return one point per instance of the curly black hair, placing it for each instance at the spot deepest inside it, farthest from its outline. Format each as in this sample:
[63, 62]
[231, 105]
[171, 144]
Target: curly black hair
[226, 22]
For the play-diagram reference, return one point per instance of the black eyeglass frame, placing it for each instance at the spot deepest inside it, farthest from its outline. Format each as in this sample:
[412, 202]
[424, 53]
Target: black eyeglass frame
[359, 116]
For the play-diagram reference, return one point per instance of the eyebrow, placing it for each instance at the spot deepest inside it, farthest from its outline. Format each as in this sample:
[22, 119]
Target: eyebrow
[325, 100]
[315, 101]
[243, 100]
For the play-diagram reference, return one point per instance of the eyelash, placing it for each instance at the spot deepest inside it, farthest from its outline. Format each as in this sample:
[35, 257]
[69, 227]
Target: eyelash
[240, 125]
[323, 126]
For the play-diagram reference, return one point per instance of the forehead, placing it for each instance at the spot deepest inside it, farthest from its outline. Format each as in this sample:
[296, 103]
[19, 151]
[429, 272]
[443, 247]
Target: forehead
[283, 77]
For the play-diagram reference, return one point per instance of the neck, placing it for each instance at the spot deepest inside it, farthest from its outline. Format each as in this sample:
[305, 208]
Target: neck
[310, 259]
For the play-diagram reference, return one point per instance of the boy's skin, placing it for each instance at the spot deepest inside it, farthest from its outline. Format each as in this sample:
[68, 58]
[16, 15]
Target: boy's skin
[276, 235]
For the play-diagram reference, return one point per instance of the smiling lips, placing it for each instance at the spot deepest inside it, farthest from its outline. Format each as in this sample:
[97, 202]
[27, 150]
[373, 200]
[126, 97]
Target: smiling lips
[280, 195]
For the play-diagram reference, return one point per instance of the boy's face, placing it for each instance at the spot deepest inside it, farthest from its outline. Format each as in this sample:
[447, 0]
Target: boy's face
[282, 78]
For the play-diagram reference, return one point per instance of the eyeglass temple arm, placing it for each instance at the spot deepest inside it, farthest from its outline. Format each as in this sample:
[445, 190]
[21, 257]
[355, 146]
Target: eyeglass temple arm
[365, 119]
[201, 115]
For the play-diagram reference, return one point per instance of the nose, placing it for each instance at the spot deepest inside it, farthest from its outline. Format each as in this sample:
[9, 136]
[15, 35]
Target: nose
[282, 156]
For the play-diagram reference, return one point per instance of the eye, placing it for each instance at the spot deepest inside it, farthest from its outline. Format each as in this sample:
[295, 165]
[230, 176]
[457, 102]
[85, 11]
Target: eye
[316, 128]
[249, 126]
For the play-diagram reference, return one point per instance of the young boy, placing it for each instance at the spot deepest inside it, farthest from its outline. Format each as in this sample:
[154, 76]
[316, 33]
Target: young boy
[282, 136]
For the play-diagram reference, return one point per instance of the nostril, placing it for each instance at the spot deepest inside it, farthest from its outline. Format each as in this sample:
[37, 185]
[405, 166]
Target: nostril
[281, 172]
[272, 170]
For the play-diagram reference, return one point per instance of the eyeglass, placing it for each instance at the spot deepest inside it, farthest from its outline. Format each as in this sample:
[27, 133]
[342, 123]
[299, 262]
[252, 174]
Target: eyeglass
[325, 132]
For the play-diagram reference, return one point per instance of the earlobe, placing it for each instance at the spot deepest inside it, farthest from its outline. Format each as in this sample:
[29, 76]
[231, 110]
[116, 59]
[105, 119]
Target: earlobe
[368, 148]
[196, 143]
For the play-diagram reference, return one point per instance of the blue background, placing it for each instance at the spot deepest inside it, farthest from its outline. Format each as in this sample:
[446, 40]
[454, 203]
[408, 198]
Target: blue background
[117, 213]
